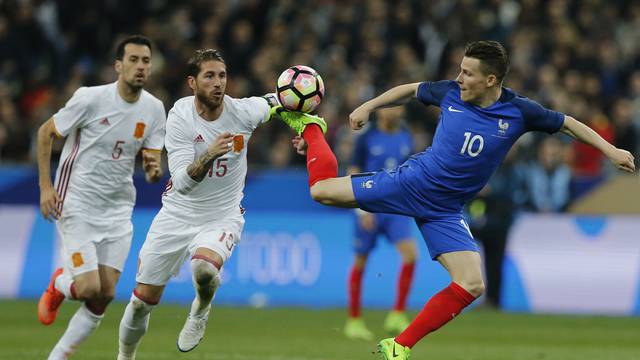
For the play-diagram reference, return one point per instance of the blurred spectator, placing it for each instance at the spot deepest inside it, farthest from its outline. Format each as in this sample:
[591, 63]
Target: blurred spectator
[548, 178]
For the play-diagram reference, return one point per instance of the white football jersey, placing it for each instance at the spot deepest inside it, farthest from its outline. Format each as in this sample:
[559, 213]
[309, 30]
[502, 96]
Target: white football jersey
[104, 135]
[219, 194]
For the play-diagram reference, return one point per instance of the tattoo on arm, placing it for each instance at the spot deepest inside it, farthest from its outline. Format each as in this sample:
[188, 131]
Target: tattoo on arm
[197, 170]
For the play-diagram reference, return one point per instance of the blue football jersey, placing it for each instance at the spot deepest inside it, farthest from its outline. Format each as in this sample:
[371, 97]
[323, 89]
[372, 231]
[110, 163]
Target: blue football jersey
[377, 150]
[470, 141]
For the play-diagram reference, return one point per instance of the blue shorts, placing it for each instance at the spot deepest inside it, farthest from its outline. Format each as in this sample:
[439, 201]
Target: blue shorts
[395, 229]
[395, 192]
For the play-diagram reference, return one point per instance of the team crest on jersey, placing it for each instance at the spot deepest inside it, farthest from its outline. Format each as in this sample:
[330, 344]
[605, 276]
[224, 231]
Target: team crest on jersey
[139, 132]
[503, 127]
[105, 121]
[77, 260]
[198, 139]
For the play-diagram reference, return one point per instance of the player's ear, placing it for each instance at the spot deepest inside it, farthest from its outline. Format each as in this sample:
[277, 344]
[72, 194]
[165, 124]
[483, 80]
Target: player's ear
[491, 80]
[191, 81]
[118, 66]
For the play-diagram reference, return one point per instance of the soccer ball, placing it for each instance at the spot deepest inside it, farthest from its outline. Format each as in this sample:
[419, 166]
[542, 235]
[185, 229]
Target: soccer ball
[300, 88]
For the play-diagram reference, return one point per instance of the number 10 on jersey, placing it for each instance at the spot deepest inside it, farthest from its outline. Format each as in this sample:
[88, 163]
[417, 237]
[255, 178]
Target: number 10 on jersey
[470, 146]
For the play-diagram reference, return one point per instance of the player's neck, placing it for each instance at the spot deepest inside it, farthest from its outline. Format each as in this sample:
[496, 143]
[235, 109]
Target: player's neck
[208, 113]
[492, 95]
[128, 93]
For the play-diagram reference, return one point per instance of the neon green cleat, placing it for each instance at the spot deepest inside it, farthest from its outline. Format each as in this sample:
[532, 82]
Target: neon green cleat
[298, 120]
[355, 329]
[391, 350]
[396, 322]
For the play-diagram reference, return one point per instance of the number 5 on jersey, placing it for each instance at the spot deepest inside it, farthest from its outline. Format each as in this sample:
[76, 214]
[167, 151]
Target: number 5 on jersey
[470, 146]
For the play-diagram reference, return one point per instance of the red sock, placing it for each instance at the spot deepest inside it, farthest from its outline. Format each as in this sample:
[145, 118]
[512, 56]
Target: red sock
[355, 284]
[321, 162]
[404, 284]
[439, 310]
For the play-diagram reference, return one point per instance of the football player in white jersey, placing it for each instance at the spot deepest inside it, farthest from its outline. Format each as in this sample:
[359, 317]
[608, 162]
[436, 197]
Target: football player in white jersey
[93, 197]
[201, 218]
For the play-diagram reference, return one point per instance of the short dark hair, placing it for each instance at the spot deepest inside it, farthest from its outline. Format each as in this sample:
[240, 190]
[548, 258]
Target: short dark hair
[133, 39]
[492, 55]
[200, 56]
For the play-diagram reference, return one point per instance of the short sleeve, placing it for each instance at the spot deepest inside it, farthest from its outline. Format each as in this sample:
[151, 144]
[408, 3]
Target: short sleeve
[74, 113]
[537, 117]
[155, 141]
[258, 110]
[358, 158]
[432, 92]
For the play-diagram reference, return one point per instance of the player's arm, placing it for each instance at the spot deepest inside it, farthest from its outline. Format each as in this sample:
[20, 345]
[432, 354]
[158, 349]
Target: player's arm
[187, 170]
[396, 96]
[622, 159]
[49, 198]
[151, 163]
[198, 169]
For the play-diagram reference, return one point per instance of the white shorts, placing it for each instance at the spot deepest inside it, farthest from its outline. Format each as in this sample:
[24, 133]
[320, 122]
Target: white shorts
[170, 242]
[85, 244]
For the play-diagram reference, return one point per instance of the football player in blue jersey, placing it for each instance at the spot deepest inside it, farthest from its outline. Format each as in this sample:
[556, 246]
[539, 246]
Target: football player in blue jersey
[385, 145]
[479, 122]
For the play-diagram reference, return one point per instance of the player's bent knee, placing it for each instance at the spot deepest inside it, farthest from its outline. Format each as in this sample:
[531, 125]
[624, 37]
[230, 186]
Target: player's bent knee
[90, 292]
[474, 287]
[321, 194]
[205, 273]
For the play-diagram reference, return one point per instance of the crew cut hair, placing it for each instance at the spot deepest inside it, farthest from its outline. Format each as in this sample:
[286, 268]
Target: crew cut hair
[133, 39]
[492, 55]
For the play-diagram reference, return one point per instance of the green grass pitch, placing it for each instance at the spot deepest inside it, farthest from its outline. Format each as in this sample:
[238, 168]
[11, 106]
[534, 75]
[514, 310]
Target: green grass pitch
[303, 334]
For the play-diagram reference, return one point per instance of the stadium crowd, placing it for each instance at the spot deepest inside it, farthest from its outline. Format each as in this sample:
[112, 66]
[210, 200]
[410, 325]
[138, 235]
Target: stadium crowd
[578, 57]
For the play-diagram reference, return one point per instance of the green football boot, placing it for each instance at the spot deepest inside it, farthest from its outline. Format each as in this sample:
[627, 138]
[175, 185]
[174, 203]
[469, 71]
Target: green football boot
[391, 350]
[356, 329]
[298, 121]
[396, 322]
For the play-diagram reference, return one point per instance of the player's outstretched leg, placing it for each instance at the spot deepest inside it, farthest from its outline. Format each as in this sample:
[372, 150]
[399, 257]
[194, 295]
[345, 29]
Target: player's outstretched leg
[134, 325]
[391, 350]
[206, 278]
[50, 300]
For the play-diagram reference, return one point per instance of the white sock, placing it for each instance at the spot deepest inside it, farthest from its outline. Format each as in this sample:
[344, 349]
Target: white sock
[133, 326]
[63, 284]
[80, 327]
[206, 279]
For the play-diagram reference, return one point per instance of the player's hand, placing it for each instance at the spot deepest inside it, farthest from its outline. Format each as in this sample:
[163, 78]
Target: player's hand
[49, 203]
[300, 145]
[367, 221]
[151, 165]
[359, 117]
[222, 145]
[623, 160]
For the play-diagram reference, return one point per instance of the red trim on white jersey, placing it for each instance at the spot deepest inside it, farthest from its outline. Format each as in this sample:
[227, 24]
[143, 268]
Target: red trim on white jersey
[65, 174]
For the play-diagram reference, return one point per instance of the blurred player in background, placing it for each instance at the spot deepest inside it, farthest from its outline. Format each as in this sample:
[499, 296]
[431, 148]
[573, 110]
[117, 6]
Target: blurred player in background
[479, 122]
[105, 126]
[201, 218]
[384, 145]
